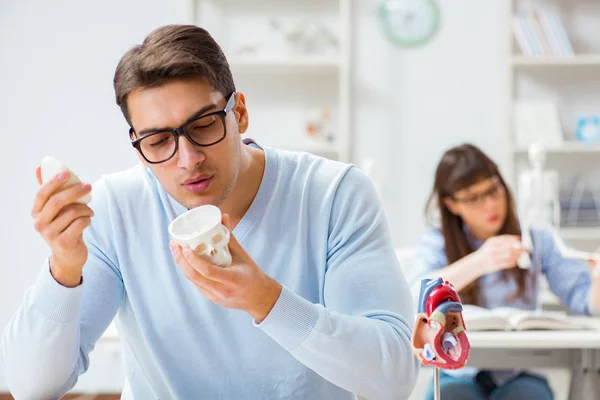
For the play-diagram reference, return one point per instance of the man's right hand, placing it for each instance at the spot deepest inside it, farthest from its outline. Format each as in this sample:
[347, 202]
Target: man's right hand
[500, 252]
[61, 222]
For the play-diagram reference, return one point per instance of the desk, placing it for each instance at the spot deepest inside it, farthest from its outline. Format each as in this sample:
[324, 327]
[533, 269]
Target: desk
[577, 350]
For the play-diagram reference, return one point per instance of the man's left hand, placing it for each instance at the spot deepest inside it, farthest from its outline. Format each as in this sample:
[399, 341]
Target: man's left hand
[242, 285]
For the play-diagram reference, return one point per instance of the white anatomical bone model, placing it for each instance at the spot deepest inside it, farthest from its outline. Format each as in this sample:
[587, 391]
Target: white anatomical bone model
[539, 208]
[51, 167]
[567, 252]
[201, 229]
[538, 203]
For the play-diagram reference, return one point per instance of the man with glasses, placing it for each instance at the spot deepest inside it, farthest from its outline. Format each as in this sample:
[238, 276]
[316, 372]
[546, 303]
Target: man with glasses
[313, 306]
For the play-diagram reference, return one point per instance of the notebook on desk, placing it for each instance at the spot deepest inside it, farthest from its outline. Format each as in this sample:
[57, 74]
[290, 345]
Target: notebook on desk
[514, 319]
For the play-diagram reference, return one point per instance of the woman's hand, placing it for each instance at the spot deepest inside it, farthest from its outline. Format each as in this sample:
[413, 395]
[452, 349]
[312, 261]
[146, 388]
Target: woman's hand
[500, 252]
[594, 267]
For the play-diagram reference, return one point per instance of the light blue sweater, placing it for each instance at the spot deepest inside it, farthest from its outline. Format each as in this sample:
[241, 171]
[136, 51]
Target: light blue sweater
[341, 325]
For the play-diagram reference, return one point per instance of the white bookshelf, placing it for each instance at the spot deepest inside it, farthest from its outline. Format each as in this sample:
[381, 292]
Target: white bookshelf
[285, 88]
[571, 81]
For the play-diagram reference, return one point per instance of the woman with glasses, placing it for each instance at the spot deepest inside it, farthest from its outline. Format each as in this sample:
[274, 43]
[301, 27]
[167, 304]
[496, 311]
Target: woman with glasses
[475, 247]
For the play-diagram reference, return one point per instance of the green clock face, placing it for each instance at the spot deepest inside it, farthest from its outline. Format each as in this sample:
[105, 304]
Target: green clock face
[409, 22]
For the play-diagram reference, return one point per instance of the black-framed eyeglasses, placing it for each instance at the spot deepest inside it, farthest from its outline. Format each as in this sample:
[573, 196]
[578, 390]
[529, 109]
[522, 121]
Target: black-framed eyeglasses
[478, 200]
[205, 130]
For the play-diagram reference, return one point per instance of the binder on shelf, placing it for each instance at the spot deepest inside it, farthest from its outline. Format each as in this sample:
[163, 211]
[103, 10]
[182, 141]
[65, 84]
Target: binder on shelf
[521, 37]
[564, 42]
[538, 35]
[550, 33]
[532, 44]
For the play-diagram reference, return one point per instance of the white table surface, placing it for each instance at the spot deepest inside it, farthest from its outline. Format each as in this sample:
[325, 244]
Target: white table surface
[584, 339]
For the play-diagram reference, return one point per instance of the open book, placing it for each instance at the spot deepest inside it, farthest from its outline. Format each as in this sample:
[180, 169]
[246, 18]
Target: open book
[514, 319]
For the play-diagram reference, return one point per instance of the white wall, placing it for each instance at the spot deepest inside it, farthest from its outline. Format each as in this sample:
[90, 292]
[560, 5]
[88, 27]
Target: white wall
[415, 103]
[57, 60]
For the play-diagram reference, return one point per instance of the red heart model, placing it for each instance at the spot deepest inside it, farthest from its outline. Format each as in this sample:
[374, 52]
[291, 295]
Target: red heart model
[439, 337]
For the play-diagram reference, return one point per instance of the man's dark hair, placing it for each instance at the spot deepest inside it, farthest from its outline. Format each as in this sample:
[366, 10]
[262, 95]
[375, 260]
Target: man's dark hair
[170, 52]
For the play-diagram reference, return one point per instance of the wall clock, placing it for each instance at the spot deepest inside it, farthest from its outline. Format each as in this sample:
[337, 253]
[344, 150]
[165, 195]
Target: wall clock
[409, 23]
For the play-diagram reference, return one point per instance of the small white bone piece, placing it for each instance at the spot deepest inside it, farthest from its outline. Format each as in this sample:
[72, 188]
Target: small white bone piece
[52, 167]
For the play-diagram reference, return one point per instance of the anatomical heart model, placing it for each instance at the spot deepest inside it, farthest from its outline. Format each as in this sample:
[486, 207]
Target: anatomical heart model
[439, 337]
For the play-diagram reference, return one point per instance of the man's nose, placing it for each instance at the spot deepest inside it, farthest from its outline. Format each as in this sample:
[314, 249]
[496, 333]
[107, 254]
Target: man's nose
[189, 155]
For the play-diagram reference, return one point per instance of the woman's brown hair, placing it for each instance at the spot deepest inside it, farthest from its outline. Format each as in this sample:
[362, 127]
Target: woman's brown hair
[459, 168]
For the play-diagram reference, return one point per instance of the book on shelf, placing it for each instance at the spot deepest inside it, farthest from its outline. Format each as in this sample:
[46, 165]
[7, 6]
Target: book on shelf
[541, 33]
[523, 37]
[514, 319]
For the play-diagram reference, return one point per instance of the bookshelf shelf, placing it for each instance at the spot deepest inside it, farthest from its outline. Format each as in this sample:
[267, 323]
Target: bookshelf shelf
[281, 65]
[570, 147]
[582, 60]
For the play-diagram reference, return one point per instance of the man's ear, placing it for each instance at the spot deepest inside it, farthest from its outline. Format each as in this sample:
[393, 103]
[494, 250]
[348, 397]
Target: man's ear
[241, 112]
[451, 205]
